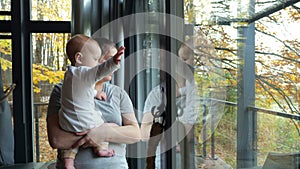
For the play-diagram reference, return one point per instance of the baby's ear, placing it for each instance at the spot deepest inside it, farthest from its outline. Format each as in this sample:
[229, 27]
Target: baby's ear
[78, 58]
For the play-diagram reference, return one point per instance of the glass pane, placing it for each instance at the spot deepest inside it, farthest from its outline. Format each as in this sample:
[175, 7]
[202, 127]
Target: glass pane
[5, 17]
[6, 65]
[276, 70]
[279, 135]
[4, 10]
[219, 148]
[51, 10]
[48, 51]
[5, 5]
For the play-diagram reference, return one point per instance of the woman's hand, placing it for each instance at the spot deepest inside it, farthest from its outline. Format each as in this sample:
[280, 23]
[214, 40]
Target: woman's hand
[93, 137]
[85, 142]
[110, 132]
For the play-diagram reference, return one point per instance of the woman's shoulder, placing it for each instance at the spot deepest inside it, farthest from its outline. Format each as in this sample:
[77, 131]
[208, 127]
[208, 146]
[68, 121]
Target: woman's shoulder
[57, 87]
[157, 90]
[56, 92]
[108, 87]
[114, 91]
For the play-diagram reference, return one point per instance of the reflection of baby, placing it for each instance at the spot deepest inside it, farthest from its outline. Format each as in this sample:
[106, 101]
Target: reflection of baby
[77, 113]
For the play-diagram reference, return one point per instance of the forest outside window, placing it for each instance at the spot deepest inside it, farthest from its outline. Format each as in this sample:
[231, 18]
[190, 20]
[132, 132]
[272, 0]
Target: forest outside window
[51, 10]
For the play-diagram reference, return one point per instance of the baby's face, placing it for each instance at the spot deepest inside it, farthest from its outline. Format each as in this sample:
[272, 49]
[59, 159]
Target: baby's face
[91, 53]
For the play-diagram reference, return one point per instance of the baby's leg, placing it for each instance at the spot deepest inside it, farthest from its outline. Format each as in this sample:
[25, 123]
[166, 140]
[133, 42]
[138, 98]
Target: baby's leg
[69, 163]
[68, 157]
[103, 151]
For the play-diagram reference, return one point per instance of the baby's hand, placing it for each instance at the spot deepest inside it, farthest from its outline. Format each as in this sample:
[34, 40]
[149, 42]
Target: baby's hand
[101, 95]
[117, 57]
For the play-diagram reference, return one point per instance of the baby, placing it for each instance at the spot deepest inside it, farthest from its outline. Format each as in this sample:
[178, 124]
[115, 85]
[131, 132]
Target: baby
[77, 113]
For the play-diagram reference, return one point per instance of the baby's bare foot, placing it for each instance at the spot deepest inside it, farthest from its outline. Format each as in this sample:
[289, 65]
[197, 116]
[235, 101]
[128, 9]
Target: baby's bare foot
[69, 167]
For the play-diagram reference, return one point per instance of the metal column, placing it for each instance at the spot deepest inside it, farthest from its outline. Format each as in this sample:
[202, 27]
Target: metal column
[22, 77]
[246, 120]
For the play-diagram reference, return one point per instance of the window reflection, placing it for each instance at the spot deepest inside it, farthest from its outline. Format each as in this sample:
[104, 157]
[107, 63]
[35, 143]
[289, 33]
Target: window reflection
[154, 130]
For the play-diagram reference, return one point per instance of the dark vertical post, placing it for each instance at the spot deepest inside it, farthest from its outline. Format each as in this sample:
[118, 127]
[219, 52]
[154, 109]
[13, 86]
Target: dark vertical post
[204, 131]
[37, 132]
[22, 77]
[212, 140]
[117, 34]
[81, 17]
[246, 120]
[172, 10]
[138, 86]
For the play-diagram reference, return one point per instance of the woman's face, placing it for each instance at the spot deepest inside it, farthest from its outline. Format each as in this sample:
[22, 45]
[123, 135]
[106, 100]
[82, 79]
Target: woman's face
[107, 55]
[91, 53]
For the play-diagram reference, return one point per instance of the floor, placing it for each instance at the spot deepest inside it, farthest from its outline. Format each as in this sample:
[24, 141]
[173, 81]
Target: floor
[28, 166]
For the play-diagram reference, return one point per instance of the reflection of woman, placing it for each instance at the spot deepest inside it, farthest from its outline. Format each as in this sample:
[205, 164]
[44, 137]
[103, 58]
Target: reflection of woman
[185, 101]
[185, 88]
[116, 107]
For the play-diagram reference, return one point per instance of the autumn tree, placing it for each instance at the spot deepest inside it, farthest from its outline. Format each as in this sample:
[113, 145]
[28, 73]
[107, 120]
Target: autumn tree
[48, 55]
[277, 63]
[277, 57]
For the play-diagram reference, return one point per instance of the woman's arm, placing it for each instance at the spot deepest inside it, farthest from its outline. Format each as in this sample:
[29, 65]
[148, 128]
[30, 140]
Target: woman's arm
[57, 137]
[146, 125]
[128, 133]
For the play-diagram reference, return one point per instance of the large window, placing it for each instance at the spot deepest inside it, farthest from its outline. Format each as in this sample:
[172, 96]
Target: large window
[276, 66]
[199, 63]
[42, 59]
[49, 63]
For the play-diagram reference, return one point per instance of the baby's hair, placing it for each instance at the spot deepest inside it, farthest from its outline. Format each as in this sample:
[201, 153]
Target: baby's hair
[75, 45]
[105, 44]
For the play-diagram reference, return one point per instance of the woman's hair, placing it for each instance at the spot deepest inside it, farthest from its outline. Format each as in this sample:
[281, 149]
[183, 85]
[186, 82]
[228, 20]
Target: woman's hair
[105, 44]
[187, 50]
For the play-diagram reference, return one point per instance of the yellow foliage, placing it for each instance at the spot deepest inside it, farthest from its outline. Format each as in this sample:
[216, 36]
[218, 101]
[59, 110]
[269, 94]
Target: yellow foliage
[5, 46]
[40, 73]
[5, 64]
[36, 89]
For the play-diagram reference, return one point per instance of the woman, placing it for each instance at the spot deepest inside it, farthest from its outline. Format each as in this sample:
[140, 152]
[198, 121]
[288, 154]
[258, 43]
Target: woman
[116, 108]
